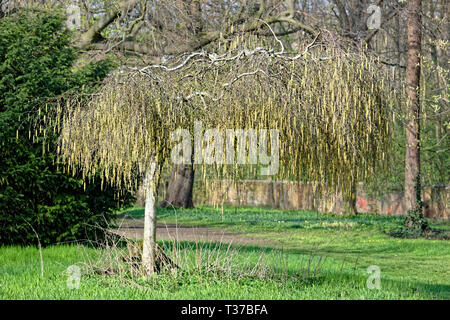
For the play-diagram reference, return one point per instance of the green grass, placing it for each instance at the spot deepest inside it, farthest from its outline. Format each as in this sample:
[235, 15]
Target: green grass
[345, 247]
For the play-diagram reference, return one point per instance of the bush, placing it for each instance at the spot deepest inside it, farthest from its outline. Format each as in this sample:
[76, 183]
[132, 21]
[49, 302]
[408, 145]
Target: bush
[36, 63]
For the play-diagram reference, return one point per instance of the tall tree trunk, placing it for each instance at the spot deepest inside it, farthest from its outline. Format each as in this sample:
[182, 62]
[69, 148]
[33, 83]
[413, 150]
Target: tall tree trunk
[149, 243]
[413, 201]
[179, 190]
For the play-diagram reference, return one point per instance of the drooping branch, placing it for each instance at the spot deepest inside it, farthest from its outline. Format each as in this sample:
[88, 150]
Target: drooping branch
[388, 17]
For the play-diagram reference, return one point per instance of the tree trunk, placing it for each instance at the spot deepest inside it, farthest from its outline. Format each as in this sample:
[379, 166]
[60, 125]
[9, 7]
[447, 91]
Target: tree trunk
[149, 243]
[179, 191]
[352, 197]
[412, 159]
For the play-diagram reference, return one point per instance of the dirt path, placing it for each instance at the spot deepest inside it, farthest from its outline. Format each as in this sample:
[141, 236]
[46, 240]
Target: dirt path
[135, 229]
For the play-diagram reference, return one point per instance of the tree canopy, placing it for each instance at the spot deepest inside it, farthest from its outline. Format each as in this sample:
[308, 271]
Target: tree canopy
[333, 106]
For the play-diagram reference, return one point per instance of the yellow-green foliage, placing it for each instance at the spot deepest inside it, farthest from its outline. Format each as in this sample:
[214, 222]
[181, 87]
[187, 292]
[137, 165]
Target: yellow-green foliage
[333, 109]
[119, 131]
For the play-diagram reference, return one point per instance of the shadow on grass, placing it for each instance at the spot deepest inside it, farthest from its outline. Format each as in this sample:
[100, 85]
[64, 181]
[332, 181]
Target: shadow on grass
[313, 268]
[267, 220]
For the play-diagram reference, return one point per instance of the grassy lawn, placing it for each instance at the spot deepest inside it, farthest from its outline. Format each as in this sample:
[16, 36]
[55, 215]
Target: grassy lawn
[307, 256]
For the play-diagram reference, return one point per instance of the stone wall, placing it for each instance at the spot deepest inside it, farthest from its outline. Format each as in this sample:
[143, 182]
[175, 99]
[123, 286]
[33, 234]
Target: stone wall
[290, 195]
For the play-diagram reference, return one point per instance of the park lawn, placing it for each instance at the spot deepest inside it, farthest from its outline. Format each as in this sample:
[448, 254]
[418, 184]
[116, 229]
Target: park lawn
[360, 240]
[313, 256]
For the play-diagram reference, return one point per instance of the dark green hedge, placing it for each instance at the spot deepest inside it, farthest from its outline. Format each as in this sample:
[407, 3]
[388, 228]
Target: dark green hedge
[36, 63]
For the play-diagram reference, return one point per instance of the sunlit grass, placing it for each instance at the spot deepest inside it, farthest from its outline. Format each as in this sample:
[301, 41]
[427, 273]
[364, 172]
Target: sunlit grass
[310, 255]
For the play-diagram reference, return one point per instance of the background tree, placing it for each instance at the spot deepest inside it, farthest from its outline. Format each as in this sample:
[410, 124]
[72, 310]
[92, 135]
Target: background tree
[412, 160]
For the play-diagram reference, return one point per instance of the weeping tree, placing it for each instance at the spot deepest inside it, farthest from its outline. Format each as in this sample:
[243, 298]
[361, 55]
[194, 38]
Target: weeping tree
[331, 101]
[327, 110]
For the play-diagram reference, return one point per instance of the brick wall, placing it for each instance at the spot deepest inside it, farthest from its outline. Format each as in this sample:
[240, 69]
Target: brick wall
[290, 195]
